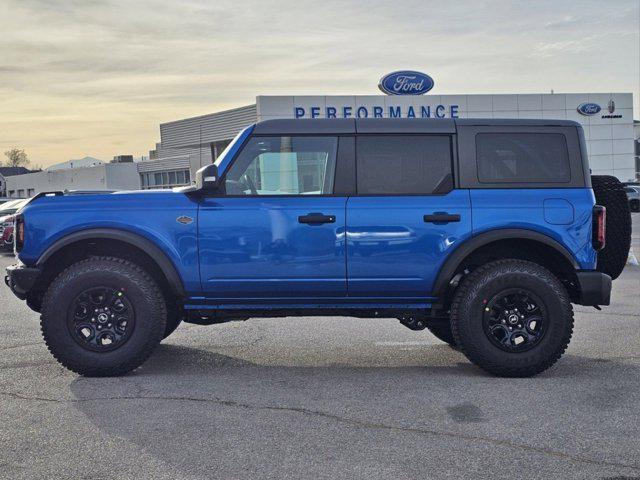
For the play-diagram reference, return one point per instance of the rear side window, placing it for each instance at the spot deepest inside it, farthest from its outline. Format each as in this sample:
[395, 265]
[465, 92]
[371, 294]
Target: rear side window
[522, 158]
[402, 164]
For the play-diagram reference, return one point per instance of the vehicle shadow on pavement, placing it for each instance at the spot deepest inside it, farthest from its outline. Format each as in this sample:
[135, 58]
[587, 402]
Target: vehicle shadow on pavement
[418, 356]
[176, 360]
[207, 414]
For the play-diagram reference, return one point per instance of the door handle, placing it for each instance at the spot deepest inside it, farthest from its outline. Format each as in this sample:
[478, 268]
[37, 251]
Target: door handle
[441, 217]
[316, 218]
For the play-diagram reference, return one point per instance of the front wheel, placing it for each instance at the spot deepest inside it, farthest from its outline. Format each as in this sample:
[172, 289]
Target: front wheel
[103, 316]
[512, 318]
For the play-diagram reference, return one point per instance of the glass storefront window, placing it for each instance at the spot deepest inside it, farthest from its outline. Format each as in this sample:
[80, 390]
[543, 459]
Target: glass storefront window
[174, 178]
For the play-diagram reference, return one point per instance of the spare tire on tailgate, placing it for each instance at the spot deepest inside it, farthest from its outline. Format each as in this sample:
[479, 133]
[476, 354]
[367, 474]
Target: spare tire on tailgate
[610, 193]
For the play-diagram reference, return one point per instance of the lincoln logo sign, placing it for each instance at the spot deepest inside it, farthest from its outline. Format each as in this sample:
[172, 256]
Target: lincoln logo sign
[406, 82]
[589, 108]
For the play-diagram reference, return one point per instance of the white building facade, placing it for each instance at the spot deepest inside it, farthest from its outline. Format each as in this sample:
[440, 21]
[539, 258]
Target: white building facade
[609, 131]
[108, 176]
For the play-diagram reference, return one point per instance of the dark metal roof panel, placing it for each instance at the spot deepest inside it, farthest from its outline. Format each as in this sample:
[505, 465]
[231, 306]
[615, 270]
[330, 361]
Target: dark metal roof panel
[389, 125]
[515, 122]
[405, 125]
[306, 126]
[11, 171]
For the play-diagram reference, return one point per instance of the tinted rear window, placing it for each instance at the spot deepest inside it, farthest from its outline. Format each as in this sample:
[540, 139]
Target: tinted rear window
[402, 164]
[522, 158]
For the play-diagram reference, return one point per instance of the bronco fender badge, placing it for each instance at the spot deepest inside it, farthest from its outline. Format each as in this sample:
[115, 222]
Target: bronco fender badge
[183, 219]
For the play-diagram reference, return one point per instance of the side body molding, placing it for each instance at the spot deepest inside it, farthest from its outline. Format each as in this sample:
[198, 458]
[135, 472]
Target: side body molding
[455, 259]
[138, 241]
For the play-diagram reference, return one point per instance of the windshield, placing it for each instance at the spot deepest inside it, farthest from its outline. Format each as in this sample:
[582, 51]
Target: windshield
[9, 207]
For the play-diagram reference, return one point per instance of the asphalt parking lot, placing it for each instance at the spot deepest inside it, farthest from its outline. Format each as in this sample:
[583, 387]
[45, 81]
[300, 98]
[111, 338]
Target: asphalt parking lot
[324, 398]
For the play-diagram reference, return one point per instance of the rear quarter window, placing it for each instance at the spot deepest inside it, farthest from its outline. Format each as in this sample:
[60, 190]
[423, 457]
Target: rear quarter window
[522, 158]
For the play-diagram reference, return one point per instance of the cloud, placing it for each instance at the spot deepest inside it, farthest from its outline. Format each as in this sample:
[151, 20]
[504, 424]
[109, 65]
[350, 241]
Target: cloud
[550, 49]
[102, 74]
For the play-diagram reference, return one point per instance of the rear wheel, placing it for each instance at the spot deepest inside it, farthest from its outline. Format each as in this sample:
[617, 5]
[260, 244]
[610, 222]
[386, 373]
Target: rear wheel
[103, 316]
[610, 193]
[512, 318]
[635, 205]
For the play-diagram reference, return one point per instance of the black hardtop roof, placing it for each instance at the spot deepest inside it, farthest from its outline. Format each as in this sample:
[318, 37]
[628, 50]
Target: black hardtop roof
[391, 125]
[11, 171]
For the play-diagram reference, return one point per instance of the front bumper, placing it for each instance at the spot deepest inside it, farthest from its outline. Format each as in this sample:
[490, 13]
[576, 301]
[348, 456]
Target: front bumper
[595, 288]
[20, 279]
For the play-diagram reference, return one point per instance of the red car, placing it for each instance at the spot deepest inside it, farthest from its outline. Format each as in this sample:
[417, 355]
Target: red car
[6, 223]
[6, 242]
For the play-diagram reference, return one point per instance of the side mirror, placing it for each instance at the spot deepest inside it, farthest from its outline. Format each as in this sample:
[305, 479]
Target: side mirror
[207, 179]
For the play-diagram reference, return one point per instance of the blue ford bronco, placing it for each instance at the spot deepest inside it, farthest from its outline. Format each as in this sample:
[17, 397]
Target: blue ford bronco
[482, 231]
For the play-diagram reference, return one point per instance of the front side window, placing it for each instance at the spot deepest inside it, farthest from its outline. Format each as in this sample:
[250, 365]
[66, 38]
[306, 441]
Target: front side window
[522, 158]
[284, 166]
[402, 164]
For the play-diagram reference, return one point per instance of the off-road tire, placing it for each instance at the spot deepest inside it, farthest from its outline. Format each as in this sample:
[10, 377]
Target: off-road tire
[490, 279]
[140, 288]
[610, 193]
[443, 332]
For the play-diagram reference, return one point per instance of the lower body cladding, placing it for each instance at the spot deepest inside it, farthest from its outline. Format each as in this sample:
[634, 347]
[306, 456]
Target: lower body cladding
[20, 279]
[595, 288]
[511, 317]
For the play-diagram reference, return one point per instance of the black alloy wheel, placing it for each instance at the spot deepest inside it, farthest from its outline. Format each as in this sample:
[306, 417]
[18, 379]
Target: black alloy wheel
[514, 320]
[101, 319]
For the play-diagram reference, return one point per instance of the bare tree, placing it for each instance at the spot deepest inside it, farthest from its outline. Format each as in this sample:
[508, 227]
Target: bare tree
[16, 158]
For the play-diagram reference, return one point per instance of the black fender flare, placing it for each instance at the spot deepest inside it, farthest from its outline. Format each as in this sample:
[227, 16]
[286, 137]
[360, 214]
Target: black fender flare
[469, 246]
[157, 255]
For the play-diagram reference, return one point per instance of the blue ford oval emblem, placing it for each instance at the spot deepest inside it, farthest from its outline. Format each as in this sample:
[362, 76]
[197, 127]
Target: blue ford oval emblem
[406, 82]
[589, 108]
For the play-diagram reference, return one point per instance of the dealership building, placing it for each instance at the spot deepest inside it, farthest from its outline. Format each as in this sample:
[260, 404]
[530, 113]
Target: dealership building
[607, 119]
[188, 144]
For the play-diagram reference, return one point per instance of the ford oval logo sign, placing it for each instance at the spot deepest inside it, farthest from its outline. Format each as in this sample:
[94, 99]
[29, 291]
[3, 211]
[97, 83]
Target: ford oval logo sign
[406, 82]
[589, 108]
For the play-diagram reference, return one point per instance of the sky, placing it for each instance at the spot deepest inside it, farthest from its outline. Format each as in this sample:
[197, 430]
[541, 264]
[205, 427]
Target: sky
[97, 77]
